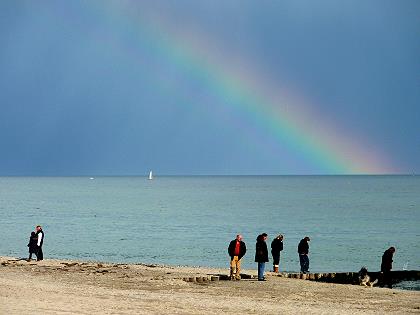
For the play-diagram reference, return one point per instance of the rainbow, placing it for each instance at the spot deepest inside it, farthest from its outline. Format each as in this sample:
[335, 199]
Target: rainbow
[262, 110]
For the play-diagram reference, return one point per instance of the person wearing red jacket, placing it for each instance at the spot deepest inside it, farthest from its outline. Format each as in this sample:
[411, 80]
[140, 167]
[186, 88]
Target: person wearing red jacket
[236, 250]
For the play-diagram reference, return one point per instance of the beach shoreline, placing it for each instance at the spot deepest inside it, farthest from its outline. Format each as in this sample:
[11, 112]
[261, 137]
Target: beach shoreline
[85, 287]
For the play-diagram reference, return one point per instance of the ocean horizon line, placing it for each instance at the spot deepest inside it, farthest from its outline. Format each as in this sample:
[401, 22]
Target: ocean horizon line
[206, 175]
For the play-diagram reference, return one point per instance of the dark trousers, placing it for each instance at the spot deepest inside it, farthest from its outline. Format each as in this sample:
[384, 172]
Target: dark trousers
[276, 258]
[387, 279]
[304, 263]
[39, 254]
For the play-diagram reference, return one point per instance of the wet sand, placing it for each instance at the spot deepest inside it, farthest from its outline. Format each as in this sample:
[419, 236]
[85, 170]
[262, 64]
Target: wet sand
[77, 287]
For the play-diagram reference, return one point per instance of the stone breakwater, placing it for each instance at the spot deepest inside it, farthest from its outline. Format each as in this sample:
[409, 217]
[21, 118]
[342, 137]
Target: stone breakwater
[353, 277]
[330, 277]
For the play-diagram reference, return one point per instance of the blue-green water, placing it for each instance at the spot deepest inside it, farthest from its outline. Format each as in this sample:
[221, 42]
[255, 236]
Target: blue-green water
[190, 220]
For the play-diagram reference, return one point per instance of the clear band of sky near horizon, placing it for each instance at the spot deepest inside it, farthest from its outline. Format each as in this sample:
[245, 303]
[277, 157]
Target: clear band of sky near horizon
[212, 88]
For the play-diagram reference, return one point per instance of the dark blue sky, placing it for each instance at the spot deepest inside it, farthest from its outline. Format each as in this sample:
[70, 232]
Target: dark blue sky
[81, 95]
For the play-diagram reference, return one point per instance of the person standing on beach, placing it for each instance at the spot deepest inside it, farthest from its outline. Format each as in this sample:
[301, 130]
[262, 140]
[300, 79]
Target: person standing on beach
[386, 267]
[33, 239]
[40, 240]
[276, 248]
[261, 255]
[303, 250]
[236, 250]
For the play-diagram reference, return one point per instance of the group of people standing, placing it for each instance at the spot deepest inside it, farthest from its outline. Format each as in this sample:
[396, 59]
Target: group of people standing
[35, 243]
[237, 250]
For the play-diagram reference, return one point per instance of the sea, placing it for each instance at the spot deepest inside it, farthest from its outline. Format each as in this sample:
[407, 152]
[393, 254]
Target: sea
[190, 220]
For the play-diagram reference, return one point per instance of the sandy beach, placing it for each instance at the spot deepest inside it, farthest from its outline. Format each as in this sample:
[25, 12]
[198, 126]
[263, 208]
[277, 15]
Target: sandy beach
[76, 287]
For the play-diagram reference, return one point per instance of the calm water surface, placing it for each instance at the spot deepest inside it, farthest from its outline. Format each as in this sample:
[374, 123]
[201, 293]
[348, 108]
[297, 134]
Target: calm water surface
[190, 220]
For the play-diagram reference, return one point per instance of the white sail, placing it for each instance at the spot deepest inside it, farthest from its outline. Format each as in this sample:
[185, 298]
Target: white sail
[150, 175]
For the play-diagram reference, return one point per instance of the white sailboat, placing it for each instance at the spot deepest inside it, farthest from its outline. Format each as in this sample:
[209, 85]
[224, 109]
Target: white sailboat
[150, 175]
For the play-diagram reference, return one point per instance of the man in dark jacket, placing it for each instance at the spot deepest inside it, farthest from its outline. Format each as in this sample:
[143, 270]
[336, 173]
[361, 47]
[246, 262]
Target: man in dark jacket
[236, 250]
[303, 250]
[276, 248]
[386, 266]
[261, 255]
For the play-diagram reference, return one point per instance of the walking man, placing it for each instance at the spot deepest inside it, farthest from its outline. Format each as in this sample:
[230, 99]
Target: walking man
[303, 250]
[261, 255]
[40, 240]
[386, 267]
[276, 248]
[236, 250]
